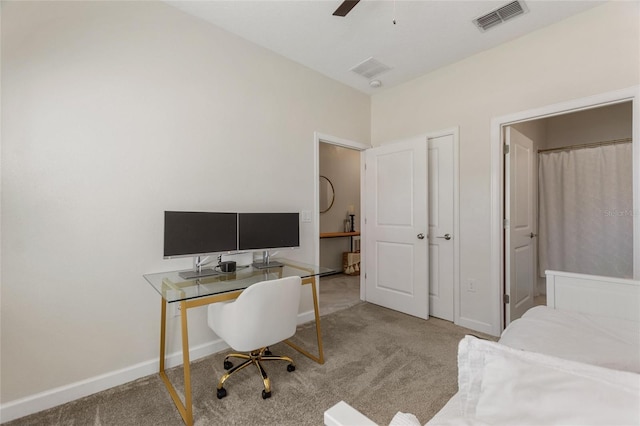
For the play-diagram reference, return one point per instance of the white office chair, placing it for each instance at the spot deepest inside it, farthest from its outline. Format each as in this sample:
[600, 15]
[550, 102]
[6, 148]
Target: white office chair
[264, 314]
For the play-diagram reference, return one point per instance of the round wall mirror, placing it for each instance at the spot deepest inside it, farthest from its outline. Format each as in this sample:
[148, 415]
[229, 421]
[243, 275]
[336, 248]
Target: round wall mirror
[327, 195]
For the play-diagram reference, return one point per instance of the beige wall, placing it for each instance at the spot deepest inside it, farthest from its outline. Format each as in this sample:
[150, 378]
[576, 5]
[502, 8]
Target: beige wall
[593, 125]
[536, 130]
[605, 123]
[113, 112]
[591, 53]
[342, 167]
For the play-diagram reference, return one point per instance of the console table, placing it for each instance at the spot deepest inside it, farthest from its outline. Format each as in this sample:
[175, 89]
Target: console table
[219, 288]
[341, 234]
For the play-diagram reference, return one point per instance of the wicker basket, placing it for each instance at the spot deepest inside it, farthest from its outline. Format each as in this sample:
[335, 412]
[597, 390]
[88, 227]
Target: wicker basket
[351, 263]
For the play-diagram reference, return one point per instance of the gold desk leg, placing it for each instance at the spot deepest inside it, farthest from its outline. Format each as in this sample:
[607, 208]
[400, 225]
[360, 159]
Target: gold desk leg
[186, 409]
[163, 332]
[320, 358]
[186, 364]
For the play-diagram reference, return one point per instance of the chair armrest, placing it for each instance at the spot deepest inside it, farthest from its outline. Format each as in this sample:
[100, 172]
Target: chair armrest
[342, 414]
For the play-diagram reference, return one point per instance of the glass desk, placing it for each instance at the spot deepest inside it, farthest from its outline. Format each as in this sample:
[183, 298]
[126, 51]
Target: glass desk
[218, 288]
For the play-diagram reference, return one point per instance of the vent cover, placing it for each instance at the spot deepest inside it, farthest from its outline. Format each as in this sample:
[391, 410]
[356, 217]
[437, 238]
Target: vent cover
[500, 15]
[370, 68]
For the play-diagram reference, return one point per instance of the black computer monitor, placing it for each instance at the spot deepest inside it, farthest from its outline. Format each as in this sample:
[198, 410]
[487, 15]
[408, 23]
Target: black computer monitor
[195, 234]
[264, 231]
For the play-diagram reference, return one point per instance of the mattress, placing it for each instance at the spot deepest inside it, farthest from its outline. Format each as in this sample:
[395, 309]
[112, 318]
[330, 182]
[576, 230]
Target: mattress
[606, 342]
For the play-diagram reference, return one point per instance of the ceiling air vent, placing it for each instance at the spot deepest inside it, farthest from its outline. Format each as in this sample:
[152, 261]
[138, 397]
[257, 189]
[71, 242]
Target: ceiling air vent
[370, 68]
[500, 15]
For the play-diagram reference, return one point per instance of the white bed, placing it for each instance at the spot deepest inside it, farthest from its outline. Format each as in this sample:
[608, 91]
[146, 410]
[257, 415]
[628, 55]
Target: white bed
[597, 340]
[574, 361]
[590, 319]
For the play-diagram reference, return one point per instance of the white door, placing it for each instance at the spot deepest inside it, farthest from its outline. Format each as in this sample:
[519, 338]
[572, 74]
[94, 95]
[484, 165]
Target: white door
[441, 226]
[396, 251]
[520, 226]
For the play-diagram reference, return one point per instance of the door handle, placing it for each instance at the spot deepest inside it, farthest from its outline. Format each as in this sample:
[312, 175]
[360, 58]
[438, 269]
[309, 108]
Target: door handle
[446, 237]
[532, 235]
[421, 236]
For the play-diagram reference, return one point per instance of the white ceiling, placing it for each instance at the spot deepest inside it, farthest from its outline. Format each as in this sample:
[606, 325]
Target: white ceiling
[427, 34]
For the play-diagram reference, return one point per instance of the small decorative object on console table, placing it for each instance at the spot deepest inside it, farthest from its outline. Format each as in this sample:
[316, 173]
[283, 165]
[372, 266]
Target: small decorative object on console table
[351, 214]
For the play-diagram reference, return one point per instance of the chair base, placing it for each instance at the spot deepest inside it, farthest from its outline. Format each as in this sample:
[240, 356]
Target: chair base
[254, 357]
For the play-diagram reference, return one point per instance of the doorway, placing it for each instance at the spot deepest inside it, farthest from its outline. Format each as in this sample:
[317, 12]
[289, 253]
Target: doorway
[561, 174]
[601, 120]
[339, 290]
[339, 203]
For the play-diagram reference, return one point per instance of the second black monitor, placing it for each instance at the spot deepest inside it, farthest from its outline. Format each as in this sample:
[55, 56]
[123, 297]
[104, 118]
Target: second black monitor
[260, 231]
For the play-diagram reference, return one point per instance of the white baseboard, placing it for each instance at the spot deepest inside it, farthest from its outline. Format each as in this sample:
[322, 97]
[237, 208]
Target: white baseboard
[44, 400]
[63, 394]
[476, 325]
[306, 317]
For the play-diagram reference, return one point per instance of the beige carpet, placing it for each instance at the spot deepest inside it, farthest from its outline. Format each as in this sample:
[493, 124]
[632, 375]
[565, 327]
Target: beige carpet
[338, 292]
[378, 360]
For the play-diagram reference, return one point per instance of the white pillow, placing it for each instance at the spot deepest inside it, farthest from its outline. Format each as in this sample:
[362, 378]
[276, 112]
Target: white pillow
[504, 386]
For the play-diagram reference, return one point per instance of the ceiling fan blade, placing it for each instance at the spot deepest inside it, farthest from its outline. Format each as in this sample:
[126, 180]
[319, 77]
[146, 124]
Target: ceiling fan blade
[345, 7]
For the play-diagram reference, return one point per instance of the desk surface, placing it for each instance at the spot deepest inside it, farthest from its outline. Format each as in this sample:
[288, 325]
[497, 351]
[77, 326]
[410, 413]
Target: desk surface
[174, 288]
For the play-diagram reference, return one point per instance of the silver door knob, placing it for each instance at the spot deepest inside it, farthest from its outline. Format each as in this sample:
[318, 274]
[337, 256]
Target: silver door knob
[532, 235]
[446, 237]
[421, 236]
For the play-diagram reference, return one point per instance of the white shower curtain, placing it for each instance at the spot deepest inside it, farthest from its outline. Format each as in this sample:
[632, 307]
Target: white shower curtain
[586, 210]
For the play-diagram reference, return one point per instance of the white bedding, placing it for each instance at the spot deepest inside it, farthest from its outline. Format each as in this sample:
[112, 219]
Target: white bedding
[606, 342]
[452, 409]
[499, 385]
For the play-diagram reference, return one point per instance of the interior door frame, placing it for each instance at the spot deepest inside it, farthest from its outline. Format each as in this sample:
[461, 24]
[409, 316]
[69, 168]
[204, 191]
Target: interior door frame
[345, 143]
[631, 94]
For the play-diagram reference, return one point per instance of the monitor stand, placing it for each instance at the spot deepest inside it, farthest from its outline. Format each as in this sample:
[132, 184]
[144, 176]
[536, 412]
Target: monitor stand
[206, 272]
[266, 263]
[198, 271]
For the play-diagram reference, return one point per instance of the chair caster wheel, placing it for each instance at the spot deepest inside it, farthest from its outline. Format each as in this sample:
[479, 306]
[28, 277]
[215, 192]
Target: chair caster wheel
[228, 365]
[265, 394]
[291, 368]
[221, 393]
